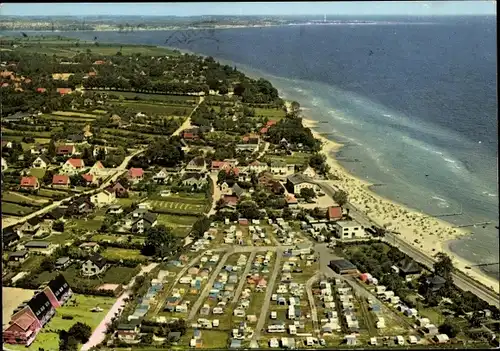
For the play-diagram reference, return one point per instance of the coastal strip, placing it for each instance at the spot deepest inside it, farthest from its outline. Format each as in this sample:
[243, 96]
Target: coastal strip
[430, 235]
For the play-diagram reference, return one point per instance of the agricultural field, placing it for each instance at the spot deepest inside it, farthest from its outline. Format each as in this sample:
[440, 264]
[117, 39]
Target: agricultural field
[170, 99]
[20, 198]
[52, 193]
[179, 205]
[116, 238]
[161, 109]
[16, 209]
[78, 306]
[296, 158]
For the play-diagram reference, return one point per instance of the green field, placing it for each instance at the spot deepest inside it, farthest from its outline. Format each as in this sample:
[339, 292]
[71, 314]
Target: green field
[271, 113]
[37, 172]
[177, 207]
[80, 310]
[16, 210]
[20, 198]
[118, 253]
[116, 238]
[52, 193]
[166, 110]
[74, 119]
[296, 158]
[185, 100]
[171, 220]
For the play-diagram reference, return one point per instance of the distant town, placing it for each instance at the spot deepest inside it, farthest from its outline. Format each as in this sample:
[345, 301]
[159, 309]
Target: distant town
[157, 199]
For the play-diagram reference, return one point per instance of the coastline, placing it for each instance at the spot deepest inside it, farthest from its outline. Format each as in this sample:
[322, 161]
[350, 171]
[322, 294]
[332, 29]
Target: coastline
[433, 235]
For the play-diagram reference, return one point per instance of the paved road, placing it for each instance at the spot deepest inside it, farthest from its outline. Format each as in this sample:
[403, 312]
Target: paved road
[267, 298]
[461, 280]
[99, 333]
[7, 222]
[187, 122]
[312, 303]
[208, 287]
[243, 279]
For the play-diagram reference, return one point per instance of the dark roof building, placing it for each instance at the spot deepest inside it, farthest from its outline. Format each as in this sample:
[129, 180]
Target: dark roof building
[41, 307]
[37, 244]
[60, 289]
[343, 267]
[409, 267]
[98, 260]
[435, 282]
[9, 236]
[55, 214]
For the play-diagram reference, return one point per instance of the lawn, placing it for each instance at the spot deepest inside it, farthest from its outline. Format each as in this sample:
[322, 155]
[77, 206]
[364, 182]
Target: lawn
[119, 275]
[118, 253]
[73, 119]
[59, 238]
[296, 158]
[170, 220]
[20, 198]
[75, 114]
[271, 113]
[37, 172]
[16, 210]
[88, 224]
[32, 262]
[52, 193]
[80, 310]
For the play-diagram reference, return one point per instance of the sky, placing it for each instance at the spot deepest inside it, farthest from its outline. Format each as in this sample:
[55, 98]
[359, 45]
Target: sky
[420, 8]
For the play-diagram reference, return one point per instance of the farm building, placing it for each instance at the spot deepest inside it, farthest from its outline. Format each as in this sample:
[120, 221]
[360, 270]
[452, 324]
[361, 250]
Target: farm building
[343, 267]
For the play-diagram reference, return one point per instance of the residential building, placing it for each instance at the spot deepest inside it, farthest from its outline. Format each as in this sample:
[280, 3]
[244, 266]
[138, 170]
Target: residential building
[309, 172]
[103, 198]
[128, 332]
[118, 189]
[197, 164]
[65, 150]
[30, 183]
[334, 213]
[64, 91]
[296, 182]
[96, 264]
[31, 225]
[18, 256]
[217, 166]
[161, 177]
[73, 166]
[99, 149]
[10, 237]
[195, 180]
[409, 269]
[41, 247]
[81, 206]
[135, 174]
[90, 179]
[258, 167]
[60, 181]
[97, 169]
[63, 262]
[279, 168]
[349, 230]
[90, 246]
[41, 162]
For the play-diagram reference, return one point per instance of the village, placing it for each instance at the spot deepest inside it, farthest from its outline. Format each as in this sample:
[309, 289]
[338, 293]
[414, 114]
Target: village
[201, 221]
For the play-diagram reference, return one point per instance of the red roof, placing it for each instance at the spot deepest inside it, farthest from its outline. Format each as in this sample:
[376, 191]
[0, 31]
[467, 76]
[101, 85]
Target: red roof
[60, 179]
[230, 200]
[135, 172]
[256, 163]
[65, 149]
[99, 62]
[88, 177]
[334, 212]
[218, 164]
[25, 320]
[91, 74]
[98, 164]
[41, 90]
[64, 91]
[29, 181]
[76, 162]
[270, 123]
[291, 199]
[5, 85]
[264, 130]
[6, 74]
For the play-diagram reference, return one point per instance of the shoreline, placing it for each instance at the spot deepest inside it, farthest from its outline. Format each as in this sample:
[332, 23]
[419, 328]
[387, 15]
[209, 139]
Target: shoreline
[433, 234]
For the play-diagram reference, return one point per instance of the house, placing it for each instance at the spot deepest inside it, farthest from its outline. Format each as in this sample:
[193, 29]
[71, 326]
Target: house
[144, 222]
[99, 149]
[161, 177]
[115, 209]
[80, 206]
[89, 246]
[4, 165]
[41, 247]
[128, 332]
[296, 182]
[64, 91]
[61, 76]
[30, 183]
[41, 90]
[75, 138]
[65, 150]
[7, 144]
[237, 191]
[90, 179]
[343, 267]
[435, 282]
[288, 343]
[58, 291]
[225, 189]
[73, 166]
[257, 167]
[195, 180]
[62, 262]
[41, 162]
[349, 230]
[230, 201]
[309, 172]
[95, 265]
[97, 169]
[19, 256]
[278, 168]
[197, 164]
[409, 269]
[31, 225]
[135, 174]
[430, 329]
[217, 166]
[38, 149]
[334, 213]
[60, 181]
[103, 198]
[9, 237]
[118, 189]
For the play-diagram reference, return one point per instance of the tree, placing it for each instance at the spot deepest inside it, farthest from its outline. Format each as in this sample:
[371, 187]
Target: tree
[147, 338]
[159, 241]
[80, 331]
[443, 266]
[307, 193]
[450, 328]
[340, 197]
[58, 226]
[201, 226]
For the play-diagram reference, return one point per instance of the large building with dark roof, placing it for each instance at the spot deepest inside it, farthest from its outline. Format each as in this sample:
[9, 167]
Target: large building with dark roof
[27, 322]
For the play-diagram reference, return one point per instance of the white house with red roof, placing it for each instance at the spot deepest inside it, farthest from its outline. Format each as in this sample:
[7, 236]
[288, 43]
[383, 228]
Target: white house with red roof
[97, 169]
[30, 183]
[89, 179]
[257, 166]
[218, 165]
[73, 166]
[135, 174]
[60, 181]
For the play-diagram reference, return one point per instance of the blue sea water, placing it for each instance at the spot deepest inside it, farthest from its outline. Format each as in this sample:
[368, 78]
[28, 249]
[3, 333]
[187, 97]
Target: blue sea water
[414, 102]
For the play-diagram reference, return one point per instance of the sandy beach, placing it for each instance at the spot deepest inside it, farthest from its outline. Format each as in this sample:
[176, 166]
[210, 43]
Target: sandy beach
[431, 235]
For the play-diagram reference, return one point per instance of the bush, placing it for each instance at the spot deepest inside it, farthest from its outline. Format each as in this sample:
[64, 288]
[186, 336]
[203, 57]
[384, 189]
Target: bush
[65, 316]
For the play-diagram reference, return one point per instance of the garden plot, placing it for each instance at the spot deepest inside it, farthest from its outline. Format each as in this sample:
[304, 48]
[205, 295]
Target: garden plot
[176, 206]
